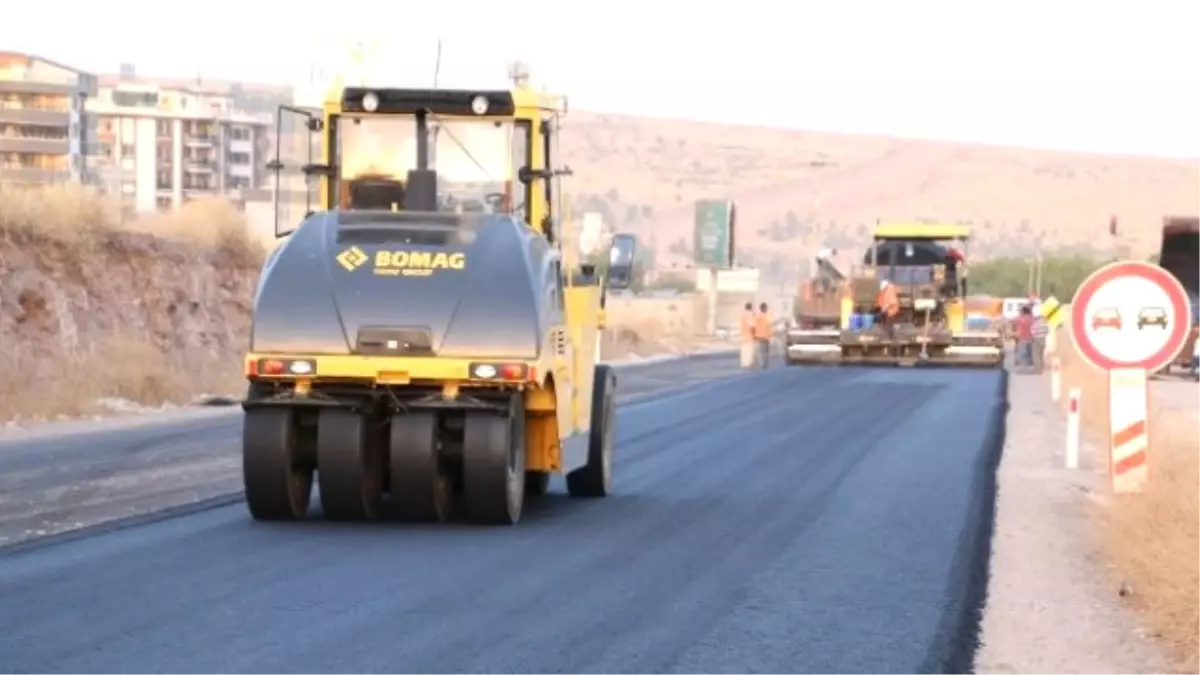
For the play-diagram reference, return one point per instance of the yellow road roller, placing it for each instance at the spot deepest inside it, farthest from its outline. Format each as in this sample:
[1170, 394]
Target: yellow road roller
[416, 342]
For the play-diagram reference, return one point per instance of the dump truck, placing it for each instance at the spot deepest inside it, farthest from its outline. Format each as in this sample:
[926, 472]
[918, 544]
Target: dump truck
[417, 344]
[1179, 254]
[817, 305]
[928, 265]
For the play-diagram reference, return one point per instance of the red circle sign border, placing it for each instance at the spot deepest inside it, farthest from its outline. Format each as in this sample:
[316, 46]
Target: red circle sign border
[1156, 275]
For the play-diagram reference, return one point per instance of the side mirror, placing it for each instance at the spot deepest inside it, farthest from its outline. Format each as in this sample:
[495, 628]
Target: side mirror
[527, 175]
[620, 261]
[322, 170]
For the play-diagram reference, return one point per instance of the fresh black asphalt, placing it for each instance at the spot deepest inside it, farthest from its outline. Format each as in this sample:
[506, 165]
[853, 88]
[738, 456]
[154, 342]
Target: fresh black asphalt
[793, 520]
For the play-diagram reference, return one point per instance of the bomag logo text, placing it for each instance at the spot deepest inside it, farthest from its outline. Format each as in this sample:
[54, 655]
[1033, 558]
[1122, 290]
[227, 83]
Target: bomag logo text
[416, 263]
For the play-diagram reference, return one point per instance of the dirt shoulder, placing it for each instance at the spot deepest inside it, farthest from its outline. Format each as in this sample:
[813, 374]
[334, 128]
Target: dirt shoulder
[1052, 606]
[1151, 541]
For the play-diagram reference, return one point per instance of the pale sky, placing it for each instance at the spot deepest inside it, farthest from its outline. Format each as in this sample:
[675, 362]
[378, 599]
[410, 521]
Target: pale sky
[1103, 76]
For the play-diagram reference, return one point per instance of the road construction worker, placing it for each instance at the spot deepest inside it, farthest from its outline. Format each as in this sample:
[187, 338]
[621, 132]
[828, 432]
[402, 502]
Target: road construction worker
[762, 336]
[888, 302]
[954, 259]
[1041, 328]
[747, 336]
[1024, 335]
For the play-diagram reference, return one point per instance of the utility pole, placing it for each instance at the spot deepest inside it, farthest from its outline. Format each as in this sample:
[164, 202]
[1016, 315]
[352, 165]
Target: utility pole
[518, 73]
[1029, 281]
[1037, 288]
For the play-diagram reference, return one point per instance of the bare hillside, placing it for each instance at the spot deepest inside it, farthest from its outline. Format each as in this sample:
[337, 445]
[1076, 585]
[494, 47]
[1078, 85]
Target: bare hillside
[799, 190]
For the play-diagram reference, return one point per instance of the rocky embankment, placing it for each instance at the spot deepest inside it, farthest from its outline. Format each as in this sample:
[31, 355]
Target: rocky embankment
[97, 314]
[102, 315]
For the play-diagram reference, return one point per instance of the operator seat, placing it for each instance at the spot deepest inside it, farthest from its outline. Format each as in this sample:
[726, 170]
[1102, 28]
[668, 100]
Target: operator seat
[374, 192]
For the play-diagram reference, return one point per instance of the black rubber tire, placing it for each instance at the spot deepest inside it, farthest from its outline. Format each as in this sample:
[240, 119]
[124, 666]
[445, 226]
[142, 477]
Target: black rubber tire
[595, 478]
[537, 483]
[278, 486]
[421, 488]
[494, 465]
[349, 472]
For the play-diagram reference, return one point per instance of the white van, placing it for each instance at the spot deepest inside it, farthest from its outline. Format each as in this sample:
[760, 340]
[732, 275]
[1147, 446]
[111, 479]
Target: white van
[1012, 307]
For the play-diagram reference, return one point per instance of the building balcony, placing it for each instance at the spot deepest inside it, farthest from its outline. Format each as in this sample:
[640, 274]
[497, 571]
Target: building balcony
[12, 114]
[33, 175]
[36, 146]
[200, 165]
[35, 87]
[200, 141]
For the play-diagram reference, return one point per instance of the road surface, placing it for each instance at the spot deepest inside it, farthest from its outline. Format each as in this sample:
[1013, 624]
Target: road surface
[65, 476]
[793, 520]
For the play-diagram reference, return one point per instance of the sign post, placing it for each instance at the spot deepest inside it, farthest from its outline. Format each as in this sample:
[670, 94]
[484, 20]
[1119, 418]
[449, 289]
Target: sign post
[713, 246]
[1130, 319]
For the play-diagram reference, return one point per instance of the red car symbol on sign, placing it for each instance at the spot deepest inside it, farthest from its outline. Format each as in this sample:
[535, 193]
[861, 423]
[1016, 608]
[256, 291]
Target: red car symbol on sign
[1106, 317]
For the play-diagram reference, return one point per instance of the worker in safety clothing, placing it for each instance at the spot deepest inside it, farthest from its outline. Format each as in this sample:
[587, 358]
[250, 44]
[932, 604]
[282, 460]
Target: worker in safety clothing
[888, 303]
[954, 267]
[762, 336]
[1041, 328]
[1024, 335]
[747, 336]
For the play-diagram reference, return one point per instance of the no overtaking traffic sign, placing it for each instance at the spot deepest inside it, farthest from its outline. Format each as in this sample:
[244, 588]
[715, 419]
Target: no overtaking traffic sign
[1130, 315]
[1130, 319]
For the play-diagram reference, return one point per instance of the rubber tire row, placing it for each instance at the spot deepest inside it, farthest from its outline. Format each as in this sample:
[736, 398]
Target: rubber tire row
[278, 484]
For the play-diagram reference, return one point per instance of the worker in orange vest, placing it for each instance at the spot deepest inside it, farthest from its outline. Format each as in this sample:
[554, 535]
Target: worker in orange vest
[762, 335]
[888, 301]
[748, 336]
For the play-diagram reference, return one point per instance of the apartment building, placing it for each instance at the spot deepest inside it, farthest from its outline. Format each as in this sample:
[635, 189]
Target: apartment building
[159, 147]
[43, 124]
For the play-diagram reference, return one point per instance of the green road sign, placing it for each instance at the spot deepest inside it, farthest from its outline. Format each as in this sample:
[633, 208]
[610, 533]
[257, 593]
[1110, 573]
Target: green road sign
[713, 245]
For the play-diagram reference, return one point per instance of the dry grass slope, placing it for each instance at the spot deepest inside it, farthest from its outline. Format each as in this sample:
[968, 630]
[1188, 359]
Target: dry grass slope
[1153, 538]
[798, 190]
[156, 310]
[80, 308]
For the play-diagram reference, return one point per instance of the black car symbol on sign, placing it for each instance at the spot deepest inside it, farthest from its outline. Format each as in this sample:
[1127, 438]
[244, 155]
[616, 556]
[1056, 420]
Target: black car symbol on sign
[1152, 316]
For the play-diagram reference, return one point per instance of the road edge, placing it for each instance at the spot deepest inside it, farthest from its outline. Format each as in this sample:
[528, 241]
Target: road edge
[962, 623]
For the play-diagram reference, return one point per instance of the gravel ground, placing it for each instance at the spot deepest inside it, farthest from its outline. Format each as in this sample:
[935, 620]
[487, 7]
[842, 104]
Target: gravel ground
[1176, 395]
[1049, 609]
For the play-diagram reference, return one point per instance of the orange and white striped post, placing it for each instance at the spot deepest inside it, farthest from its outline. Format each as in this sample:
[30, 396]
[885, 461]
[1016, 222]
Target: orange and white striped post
[1129, 435]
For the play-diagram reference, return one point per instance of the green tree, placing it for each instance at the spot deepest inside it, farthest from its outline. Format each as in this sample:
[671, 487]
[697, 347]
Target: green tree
[1008, 277]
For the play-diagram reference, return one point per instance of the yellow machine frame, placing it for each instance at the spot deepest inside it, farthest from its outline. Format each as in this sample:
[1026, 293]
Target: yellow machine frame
[956, 316]
[559, 397]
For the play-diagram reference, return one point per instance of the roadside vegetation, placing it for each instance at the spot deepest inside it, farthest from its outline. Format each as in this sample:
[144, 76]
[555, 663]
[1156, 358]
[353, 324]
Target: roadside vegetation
[1151, 539]
[1011, 277]
[71, 265]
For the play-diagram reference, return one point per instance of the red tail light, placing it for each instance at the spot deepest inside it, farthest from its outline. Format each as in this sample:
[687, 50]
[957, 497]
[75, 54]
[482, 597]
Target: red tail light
[509, 372]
